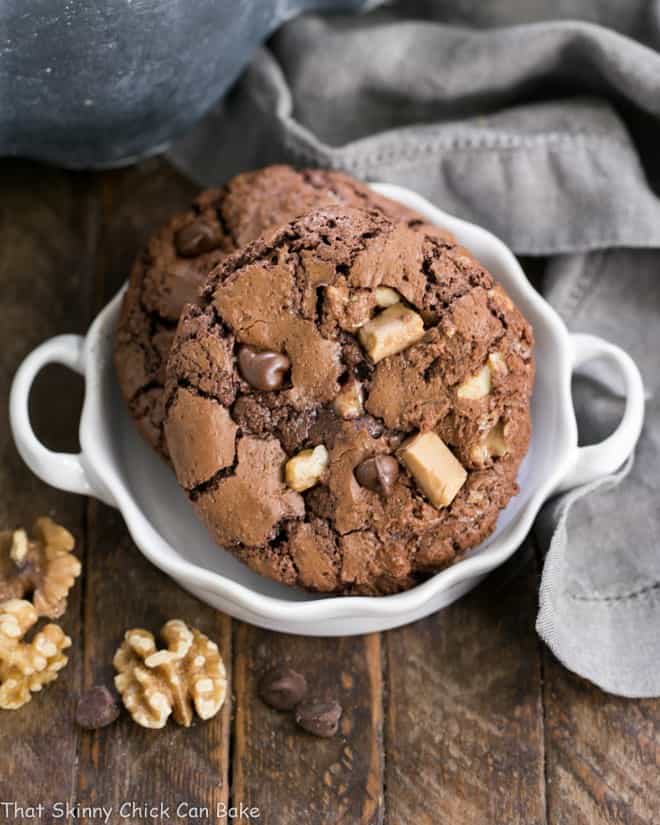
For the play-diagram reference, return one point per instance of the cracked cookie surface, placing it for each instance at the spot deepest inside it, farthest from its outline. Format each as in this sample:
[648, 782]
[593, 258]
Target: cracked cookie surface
[370, 495]
[171, 270]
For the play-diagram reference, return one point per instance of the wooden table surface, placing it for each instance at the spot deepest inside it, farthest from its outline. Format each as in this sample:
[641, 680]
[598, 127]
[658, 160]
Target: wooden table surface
[464, 717]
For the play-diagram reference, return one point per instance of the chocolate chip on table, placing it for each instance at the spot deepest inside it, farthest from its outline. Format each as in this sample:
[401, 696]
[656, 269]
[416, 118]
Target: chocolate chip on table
[282, 687]
[97, 707]
[197, 237]
[262, 370]
[378, 473]
[319, 718]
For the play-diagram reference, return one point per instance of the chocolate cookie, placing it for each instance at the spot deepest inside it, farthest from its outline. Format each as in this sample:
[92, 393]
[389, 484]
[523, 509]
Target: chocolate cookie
[348, 405]
[171, 270]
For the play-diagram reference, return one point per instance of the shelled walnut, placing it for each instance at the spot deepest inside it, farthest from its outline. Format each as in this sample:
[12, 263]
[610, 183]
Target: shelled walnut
[25, 667]
[156, 683]
[43, 566]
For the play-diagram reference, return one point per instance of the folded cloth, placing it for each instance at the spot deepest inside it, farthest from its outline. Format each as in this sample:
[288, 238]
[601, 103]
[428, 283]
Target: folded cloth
[600, 591]
[544, 131]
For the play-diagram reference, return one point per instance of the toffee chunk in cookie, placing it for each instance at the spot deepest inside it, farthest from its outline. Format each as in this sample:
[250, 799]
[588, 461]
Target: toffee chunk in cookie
[391, 435]
[171, 270]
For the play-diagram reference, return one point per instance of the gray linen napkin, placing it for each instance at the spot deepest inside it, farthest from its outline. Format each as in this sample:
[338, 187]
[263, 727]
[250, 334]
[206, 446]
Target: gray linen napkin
[544, 131]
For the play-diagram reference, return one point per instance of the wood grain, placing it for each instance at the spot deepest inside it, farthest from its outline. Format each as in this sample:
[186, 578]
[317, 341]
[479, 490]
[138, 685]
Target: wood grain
[175, 766]
[45, 263]
[482, 725]
[603, 753]
[464, 730]
[289, 775]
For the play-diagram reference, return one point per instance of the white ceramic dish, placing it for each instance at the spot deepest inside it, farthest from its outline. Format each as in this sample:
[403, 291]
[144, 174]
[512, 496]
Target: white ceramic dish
[116, 466]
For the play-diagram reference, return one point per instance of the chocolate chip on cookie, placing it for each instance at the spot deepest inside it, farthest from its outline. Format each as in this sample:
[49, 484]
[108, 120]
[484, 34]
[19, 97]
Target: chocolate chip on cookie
[378, 473]
[262, 370]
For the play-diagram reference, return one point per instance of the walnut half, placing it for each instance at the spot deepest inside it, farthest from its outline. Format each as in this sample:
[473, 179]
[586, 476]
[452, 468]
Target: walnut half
[25, 667]
[43, 566]
[156, 683]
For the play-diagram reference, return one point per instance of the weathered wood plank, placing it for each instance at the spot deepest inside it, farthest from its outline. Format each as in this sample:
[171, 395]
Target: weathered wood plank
[289, 775]
[603, 753]
[464, 733]
[125, 763]
[46, 234]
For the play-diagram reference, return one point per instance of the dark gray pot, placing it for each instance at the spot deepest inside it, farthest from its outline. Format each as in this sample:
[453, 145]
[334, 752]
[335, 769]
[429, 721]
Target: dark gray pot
[92, 83]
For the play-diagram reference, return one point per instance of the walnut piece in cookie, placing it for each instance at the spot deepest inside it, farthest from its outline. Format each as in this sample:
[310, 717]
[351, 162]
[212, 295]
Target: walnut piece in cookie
[494, 444]
[43, 566]
[480, 384]
[155, 684]
[349, 402]
[306, 469]
[25, 667]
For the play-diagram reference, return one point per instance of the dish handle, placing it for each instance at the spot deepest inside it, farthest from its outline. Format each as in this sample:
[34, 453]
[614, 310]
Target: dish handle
[66, 471]
[602, 459]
